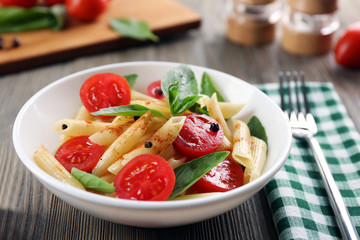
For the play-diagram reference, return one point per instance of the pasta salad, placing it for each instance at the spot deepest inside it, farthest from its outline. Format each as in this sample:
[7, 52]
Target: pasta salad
[172, 142]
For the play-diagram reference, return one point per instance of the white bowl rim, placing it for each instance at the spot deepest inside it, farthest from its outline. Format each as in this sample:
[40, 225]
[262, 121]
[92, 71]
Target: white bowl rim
[142, 205]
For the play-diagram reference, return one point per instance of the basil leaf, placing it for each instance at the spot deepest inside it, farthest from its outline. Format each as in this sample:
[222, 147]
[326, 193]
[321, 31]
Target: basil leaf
[16, 19]
[196, 108]
[132, 28]
[131, 79]
[128, 110]
[208, 87]
[92, 182]
[186, 104]
[188, 173]
[257, 129]
[173, 98]
[188, 86]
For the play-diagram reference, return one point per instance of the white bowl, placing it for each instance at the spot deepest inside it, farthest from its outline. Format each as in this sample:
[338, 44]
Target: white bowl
[60, 99]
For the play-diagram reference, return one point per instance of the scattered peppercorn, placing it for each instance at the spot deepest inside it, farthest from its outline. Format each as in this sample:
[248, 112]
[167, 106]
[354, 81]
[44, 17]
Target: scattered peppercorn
[148, 144]
[64, 126]
[136, 118]
[16, 42]
[214, 127]
[160, 92]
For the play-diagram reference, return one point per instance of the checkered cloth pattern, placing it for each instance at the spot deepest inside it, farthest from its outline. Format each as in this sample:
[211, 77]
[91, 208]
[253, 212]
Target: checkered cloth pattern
[296, 195]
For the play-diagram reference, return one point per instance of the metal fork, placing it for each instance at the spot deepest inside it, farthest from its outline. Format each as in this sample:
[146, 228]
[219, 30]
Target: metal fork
[304, 127]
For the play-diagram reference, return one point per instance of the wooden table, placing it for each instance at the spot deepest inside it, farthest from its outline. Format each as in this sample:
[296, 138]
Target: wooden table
[28, 210]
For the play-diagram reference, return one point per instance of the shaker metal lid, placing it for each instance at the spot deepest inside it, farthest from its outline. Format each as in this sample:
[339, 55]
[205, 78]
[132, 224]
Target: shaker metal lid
[313, 6]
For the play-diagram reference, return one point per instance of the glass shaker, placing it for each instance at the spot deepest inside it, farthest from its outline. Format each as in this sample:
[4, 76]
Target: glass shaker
[252, 22]
[309, 26]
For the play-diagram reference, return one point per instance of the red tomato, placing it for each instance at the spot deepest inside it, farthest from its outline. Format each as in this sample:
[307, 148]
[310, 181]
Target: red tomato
[53, 2]
[200, 135]
[225, 176]
[146, 177]
[154, 90]
[347, 49]
[19, 3]
[105, 90]
[80, 153]
[86, 10]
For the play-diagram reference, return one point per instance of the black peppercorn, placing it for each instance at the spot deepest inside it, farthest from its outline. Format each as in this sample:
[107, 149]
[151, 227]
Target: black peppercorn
[16, 42]
[64, 126]
[214, 127]
[160, 92]
[136, 118]
[148, 144]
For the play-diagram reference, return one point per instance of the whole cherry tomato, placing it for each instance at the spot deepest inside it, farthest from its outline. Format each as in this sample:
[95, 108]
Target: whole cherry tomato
[347, 49]
[225, 176]
[105, 90]
[80, 153]
[199, 135]
[146, 177]
[86, 10]
[53, 2]
[154, 90]
[19, 3]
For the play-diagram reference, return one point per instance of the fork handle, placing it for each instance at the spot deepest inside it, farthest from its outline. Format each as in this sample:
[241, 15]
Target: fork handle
[341, 213]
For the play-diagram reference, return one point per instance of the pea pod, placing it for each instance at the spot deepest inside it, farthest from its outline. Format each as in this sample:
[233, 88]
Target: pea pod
[92, 182]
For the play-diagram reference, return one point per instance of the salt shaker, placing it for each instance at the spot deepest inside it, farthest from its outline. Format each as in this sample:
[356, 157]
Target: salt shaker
[252, 22]
[309, 26]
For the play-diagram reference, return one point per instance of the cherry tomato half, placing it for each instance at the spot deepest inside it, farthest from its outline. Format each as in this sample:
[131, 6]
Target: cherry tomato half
[347, 49]
[19, 3]
[86, 10]
[146, 177]
[105, 90]
[225, 176]
[80, 153]
[200, 135]
[53, 2]
[154, 90]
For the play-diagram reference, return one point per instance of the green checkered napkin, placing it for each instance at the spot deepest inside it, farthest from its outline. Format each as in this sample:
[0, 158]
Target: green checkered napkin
[296, 195]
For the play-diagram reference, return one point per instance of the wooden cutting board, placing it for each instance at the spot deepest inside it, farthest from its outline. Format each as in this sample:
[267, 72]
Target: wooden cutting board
[165, 17]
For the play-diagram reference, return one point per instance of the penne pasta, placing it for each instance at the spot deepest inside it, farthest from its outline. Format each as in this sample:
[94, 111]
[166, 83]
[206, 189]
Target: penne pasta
[161, 106]
[229, 109]
[242, 145]
[47, 162]
[108, 135]
[83, 114]
[135, 95]
[215, 113]
[160, 141]
[258, 152]
[74, 127]
[124, 143]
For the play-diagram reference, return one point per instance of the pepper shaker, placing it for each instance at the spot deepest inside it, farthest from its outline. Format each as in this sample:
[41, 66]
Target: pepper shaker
[309, 26]
[252, 22]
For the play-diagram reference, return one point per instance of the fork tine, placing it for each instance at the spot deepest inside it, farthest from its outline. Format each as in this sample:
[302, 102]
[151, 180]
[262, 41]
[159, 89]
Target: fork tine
[287, 77]
[295, 77]
[281, 79]
[306, 103]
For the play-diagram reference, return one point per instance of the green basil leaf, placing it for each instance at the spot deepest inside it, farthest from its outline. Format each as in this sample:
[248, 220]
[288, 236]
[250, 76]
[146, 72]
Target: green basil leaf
[128, 110]
[186, 104]
[92, 182]
[188, 173]
[257, 129]
[208, 87]
[173, 98]
[196, 108]
[132, 28]
[16, 19]
[131, 79]
[188, 86]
